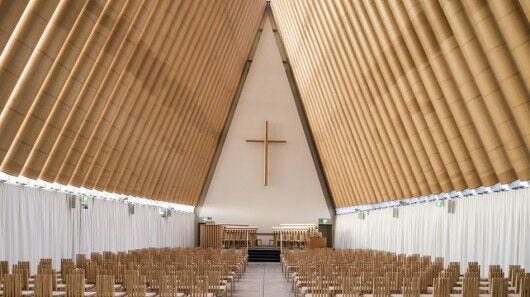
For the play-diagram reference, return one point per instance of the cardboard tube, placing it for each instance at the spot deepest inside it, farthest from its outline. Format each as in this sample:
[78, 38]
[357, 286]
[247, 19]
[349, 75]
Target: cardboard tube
[513, 24]
[497, 105]
[133, 103]
[10, 12]
[55, 78]
[421, 107]
[368, 47]
[362, 107]
[29, 83]
[502, 65]
[459, 112]
[128, 84]
[21, 44]
[133, 54]
[70, 90]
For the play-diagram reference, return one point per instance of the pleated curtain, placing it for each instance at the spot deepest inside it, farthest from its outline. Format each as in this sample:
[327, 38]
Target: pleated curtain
[490, 229]
[37, 223]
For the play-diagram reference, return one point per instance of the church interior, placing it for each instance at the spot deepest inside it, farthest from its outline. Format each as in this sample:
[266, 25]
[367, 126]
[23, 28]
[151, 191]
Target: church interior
[264, 148]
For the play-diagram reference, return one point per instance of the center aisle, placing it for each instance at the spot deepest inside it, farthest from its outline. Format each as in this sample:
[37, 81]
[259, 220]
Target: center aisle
[263, 280]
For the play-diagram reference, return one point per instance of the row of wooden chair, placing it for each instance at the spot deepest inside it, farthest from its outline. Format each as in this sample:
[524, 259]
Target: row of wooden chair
[138, 273]
[325, 272]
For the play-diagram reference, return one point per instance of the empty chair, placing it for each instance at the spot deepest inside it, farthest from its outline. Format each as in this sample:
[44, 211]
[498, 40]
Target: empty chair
[381, 287]
[411, 287]
[75, 283]
[441, 287]
[105, 285]
[525, 285]
[23, 270]
[12, 285]
[498, 287]
[43, 285]
[470, 286]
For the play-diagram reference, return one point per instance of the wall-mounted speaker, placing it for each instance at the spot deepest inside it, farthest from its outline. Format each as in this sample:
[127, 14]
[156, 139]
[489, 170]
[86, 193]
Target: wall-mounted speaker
[131, 209]
[72, 200]
[361, 216]
[451, 205]
[395, 212]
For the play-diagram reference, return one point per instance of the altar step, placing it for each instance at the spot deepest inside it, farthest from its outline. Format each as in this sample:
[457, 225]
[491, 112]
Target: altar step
[264, 255]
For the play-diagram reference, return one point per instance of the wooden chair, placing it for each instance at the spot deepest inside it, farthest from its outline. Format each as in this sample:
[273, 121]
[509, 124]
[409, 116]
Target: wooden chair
[105, 285]
[499, 287]
[43, 286]
[12, 285]
[215, 284]
[51, 273]
[470, 286]
[317, 287]
[199, 288]
[4, 267]
[525, 286]
[22, 270]
[411, 287]
[511, 273]
[75, 283]
[381, 287]
[167, 286]
[441, 287]
[350, 286]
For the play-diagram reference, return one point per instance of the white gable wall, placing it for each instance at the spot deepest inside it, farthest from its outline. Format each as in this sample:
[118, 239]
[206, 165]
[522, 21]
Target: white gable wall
[236, 194]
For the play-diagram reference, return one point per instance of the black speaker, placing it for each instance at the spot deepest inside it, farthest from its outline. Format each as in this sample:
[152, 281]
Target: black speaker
[131, 209]
[72, 200]
[451, 205]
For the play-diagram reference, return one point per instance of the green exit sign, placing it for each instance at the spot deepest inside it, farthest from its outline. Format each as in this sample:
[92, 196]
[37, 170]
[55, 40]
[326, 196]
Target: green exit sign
[205, 219]
[439, 203]
[85, 199]
[324, 221]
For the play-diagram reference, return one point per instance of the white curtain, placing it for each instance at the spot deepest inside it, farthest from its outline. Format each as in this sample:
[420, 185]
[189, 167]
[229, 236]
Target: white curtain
[36, 223]
[490, 229]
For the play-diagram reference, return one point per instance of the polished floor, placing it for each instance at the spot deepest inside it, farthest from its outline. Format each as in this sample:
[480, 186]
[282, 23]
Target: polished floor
[263, 280]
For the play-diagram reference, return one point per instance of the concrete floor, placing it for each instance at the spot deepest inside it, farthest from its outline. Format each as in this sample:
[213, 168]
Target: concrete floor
[263, 280]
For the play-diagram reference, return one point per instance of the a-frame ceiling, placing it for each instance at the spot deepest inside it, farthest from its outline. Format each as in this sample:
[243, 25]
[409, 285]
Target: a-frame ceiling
[404, 98]
[412, 97]
[126, 96]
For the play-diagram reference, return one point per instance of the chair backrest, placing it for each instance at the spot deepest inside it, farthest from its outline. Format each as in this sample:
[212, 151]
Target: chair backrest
[351, 286]
[199, 287]
[441, 287]
[104, 285]
[511, 273]
[22, 270]
[75, 283]
[381, 287]
[525, 285]
[411, 287]
[12, 285]
[167, 285]
[470, 286]
[4, 267]
[499, 287]
[43, 286]
[136, 290]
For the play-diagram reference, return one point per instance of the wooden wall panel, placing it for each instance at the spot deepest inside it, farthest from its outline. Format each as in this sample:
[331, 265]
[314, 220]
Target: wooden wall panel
[126, 96]
[412, 97]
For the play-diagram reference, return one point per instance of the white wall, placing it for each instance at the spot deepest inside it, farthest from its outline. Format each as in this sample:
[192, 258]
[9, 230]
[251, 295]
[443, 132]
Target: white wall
[37, 223]
[236, 193]
[490, 229]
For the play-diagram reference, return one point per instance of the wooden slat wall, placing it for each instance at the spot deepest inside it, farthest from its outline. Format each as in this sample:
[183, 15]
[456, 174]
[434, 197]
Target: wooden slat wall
[412, 97]
[125, 96]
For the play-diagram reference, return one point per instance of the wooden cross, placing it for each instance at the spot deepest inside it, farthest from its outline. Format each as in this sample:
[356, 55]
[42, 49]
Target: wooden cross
[266, 142]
